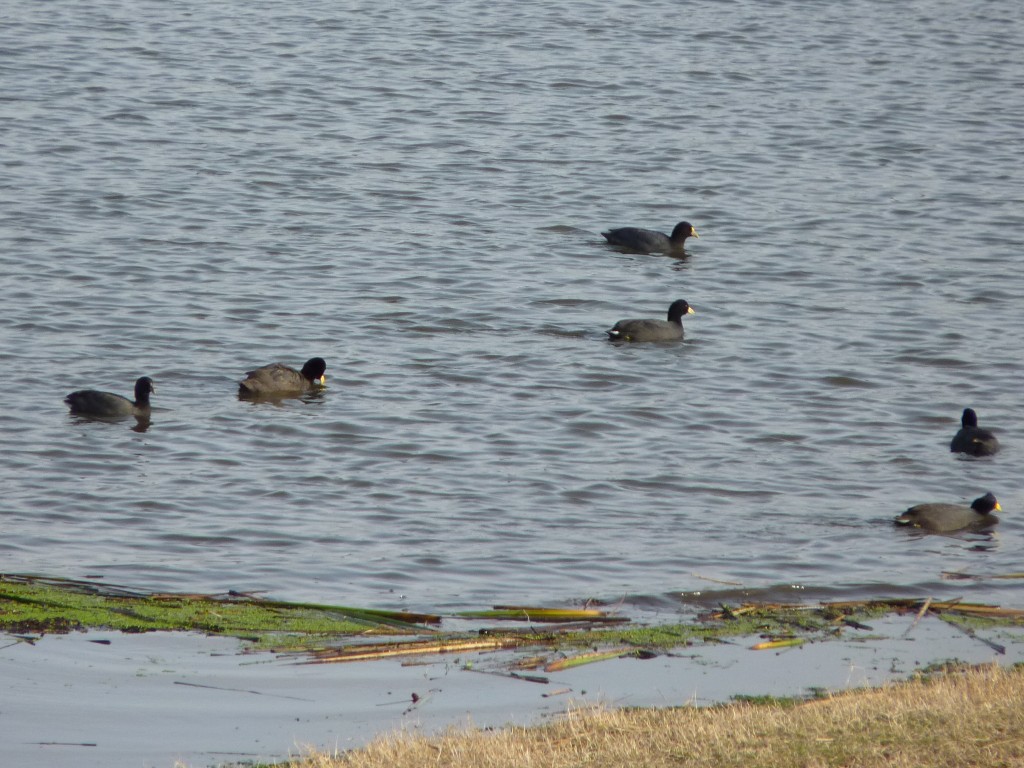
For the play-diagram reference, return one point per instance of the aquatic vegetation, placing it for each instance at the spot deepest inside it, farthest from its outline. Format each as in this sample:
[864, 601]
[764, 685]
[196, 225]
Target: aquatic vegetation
[556, 638]
[35, 604]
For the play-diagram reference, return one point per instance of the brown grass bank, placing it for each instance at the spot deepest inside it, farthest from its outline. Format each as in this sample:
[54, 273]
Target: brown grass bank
[970, 717]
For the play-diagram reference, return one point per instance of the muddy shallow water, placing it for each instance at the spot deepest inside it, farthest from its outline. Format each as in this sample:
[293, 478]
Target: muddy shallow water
[121, 701]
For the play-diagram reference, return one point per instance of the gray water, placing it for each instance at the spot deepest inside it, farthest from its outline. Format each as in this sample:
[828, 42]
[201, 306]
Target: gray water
[415, 192]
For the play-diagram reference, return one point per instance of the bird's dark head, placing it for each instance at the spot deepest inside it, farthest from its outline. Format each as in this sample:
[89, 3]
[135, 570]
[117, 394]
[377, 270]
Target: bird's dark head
[314, 370]
[683, 230]
[143, 387]
[677, 309]
[985, 504]
[969, 419]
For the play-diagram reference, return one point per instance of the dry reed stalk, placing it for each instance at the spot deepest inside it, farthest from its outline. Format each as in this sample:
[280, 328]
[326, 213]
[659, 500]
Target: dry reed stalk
[370, 652]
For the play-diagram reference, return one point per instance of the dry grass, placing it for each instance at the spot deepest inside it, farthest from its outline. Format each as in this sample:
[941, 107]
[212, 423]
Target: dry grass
[969, 718]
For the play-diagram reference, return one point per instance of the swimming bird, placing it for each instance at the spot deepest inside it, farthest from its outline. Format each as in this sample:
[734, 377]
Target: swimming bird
[649, 240]
[91, 402]
[278, 379]
[972, 439]
[952, 517]
[653, 330]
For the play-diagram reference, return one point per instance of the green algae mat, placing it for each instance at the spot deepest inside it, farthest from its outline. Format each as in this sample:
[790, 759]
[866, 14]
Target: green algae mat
[32, 604]
[320, 633]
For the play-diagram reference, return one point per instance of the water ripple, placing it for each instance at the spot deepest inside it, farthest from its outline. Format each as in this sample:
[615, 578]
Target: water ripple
[416, 194]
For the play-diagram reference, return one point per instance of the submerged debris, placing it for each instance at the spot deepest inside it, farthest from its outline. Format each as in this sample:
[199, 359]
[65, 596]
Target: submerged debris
[316, 633]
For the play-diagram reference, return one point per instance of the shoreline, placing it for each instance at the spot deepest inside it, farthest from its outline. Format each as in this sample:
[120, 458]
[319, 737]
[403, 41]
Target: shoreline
[155, 698]
[960, 716]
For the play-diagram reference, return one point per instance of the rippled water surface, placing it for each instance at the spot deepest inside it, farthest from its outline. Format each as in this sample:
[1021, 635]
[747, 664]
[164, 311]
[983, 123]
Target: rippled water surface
[415, 192]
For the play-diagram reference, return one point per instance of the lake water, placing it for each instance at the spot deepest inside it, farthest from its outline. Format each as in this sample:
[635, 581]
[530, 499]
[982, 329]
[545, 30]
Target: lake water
[415, 193]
